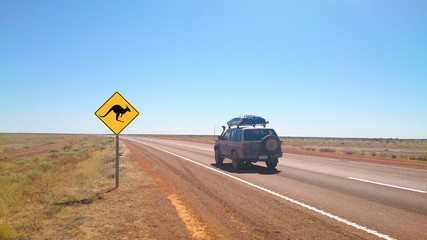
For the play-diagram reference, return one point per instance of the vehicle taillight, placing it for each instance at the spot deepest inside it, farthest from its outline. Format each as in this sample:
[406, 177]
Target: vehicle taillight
[243, 147]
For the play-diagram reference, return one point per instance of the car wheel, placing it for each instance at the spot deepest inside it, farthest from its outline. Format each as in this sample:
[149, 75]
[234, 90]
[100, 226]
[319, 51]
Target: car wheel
[235, 162]
[218, 159]
[271, 163]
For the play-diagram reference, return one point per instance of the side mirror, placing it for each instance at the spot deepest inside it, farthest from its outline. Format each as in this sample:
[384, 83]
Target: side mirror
[220, 137]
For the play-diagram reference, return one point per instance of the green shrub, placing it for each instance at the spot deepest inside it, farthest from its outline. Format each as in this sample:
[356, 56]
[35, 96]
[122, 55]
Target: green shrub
[109, 159]
[67, 147]
[327, 150]
[418, 157]
[22, 160]
[34, 174]
[45, 165]
[349, 152]
[5, 232]
[309, 149]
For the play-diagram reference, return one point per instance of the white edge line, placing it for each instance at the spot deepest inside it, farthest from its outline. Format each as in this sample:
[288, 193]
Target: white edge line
[387, 185]
[339, 219]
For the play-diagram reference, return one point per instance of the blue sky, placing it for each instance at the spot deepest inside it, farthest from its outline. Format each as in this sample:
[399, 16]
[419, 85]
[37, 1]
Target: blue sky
[321, 68]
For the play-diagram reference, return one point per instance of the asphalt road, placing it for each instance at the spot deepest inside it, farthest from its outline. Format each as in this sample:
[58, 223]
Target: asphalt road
[377, 200]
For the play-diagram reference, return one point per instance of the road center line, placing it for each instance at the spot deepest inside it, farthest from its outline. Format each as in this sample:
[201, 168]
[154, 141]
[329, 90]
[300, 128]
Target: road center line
[339, 219]
[387, 185]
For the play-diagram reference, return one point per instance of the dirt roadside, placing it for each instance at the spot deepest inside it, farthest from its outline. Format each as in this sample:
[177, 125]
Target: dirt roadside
[138, 209]
[214, 207]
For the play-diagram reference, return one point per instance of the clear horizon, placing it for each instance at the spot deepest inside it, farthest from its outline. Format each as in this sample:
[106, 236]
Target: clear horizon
[166, 134]
[349, 69]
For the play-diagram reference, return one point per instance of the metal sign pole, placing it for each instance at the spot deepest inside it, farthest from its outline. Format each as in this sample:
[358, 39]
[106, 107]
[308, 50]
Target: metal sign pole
[117, 161]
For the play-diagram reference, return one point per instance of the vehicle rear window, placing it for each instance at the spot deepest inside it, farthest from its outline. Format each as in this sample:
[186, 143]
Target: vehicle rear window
[257, 134]
[238, 136]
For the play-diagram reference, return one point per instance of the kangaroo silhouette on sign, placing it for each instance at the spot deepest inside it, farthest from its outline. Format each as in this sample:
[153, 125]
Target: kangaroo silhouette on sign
[118, 110]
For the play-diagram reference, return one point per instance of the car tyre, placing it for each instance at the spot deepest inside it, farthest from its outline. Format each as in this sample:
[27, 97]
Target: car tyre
[235, 162]
[271, 163]
[218, 159]
[271, 144]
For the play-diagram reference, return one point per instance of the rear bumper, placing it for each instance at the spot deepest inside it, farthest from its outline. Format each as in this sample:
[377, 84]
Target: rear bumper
[255, 157]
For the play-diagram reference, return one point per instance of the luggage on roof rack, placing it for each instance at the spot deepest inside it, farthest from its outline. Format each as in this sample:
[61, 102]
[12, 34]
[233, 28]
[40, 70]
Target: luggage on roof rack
[247, 120]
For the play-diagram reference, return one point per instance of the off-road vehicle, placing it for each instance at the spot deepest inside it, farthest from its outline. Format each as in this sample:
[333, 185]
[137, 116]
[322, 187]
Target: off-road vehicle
[244, 142]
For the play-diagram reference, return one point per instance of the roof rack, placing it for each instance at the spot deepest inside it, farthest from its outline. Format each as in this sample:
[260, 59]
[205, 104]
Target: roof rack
[247, 120]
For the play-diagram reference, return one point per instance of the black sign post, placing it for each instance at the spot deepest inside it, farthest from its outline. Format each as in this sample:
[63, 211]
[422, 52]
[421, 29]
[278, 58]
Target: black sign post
[117, 161]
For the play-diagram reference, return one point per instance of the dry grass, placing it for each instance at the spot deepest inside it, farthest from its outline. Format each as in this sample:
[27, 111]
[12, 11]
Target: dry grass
[404, 149]
[39, 188]
[10, 143]
[68, 192]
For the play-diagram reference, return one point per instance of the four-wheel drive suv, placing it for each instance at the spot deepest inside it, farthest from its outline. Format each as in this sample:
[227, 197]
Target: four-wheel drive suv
[248, 145]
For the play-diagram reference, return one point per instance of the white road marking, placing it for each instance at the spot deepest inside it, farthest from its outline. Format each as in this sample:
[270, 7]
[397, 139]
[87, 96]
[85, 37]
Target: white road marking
[387, 185]
[339, 219]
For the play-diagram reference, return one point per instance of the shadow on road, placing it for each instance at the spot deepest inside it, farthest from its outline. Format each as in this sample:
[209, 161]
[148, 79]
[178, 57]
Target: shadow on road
[246, 168]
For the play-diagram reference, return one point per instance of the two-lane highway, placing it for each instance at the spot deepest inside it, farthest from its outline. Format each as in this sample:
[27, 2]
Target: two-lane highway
[384, 201]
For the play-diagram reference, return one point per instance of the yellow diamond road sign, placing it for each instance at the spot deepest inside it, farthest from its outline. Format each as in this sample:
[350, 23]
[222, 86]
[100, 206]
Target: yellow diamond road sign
[116, 113]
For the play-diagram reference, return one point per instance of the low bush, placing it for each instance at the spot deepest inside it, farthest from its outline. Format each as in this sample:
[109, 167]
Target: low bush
[418, 157]
[309, 149]
[5, 232]
[54, 150]
[21, 160]
[67, 147]
[327, 150]
[348, 152]
[34, 174]
[45, 165]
